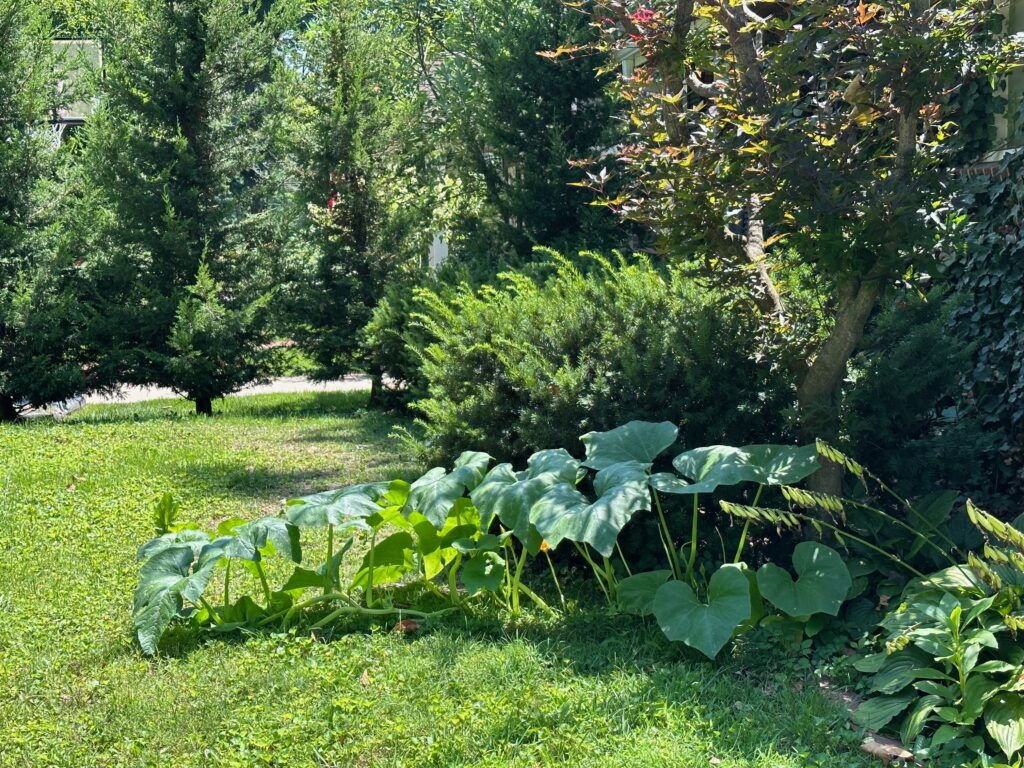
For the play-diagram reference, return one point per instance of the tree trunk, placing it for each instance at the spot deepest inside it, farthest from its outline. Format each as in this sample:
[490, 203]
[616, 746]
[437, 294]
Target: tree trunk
[818, 393]
[204, 406]
[8, 412]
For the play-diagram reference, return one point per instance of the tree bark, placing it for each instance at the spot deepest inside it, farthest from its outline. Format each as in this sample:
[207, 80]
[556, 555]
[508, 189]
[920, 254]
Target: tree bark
[204, 406]
[818, 393]
[8, 412]
[766, 295]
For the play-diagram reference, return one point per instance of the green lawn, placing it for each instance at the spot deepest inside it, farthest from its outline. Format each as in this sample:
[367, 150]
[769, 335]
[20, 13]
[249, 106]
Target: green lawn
[588, 689]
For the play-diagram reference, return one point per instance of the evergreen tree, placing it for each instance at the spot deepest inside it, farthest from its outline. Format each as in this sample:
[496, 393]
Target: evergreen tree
[350, 157]
[181, 150]
[40, 311]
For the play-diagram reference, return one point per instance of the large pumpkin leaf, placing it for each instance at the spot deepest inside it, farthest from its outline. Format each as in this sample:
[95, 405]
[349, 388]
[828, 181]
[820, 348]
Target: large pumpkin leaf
[704, 626]
[166, 581]
[251, 540]
[341, 506]
[639, 441]
[392, 559]
[565, 513]
[635, 594]
[704, 469]
[434, 494]
[194, 538]
[484, 573]
[1004, 721]
[821, 587]
[510, 495]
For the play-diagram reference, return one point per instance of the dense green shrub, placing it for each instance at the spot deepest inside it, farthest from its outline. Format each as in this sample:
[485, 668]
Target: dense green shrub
[530, 363]
[905, 414]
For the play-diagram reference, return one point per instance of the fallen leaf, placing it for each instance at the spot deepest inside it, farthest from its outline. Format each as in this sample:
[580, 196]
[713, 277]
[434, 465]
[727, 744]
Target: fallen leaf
[364, 679]
[406, 626]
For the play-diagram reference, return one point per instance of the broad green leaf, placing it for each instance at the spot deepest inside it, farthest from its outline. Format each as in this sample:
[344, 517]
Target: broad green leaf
[704, 469]
[636, 593]
[1004, 721]
[977, 692]
[897, 672]
[875, 713]
[821, 586]
[706, 627]
[510, 495]
[918, 715]
[484, 573]
[565, 513]
[392, 559]
[638, 441]
[196, 539]
[166, 581]
[344, 505]
[435, 493]
[251, 540]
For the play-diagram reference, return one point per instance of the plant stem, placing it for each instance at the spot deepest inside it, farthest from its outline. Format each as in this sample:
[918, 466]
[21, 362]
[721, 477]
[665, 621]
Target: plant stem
[692, 561]
[210, 610]
[597, 571]
[517, 579]
[622, 557]
[666, 537]
[554, 577]
[369, 573]
[227, 584]
[746, 526]
[263, 582]
[538, 601]
[453, 579]
[609, 574]
[328, 567]
[377, 612]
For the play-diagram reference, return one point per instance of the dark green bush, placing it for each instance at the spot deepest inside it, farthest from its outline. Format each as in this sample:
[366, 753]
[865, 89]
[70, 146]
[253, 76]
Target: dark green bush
[905, 414]
[532, 362]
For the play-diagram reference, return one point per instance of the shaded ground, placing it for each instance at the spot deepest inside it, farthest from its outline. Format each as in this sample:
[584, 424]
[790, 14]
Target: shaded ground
[587, 689]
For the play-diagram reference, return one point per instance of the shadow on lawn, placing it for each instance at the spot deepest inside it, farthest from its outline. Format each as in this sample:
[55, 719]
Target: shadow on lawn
[273, 406]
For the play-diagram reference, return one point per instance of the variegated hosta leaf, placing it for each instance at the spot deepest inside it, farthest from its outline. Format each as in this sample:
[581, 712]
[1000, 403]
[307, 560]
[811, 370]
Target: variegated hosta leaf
[638, 441]
[434, 494]
[337, 507]
[704, 469]
[510, 495]
[565, 513]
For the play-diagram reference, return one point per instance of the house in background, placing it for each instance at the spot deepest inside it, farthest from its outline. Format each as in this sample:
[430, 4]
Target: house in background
[80, 58]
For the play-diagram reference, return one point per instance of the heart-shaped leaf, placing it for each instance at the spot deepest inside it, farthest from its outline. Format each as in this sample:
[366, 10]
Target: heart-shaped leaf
[638, 441]
[434, 494]
[196, 539]
[510, 495]
[356, 502]
[821, 587]
[391, 560]
[565, 513]
[484, 573]
[704, 626]
[1004, 721]
[166, 581]
[250, 540]
[704, 469]
[635, 593]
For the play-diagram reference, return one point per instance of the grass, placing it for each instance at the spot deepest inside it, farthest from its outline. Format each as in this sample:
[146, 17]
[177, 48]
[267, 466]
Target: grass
[587, 689]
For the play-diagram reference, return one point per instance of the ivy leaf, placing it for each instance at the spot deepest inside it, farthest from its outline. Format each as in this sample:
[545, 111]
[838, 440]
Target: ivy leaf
[638, 441]
[1004, 721]
[821, 587]
[636, 593]
[434, 494]
[510, 495]
[704, 626]
[565, 513]
[336, 507]
[484, 573]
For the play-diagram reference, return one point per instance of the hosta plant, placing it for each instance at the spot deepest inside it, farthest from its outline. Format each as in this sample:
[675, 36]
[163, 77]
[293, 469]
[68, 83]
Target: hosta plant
[949, 678]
